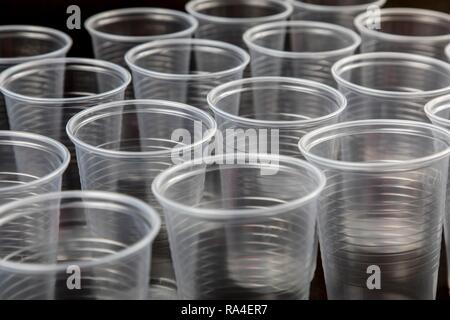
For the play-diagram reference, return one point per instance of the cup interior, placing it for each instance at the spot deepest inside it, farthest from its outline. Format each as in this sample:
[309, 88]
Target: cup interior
[239, 8]
[26, 42]
[61, 79]
[188, 58]
[141, 24]
[393, 73]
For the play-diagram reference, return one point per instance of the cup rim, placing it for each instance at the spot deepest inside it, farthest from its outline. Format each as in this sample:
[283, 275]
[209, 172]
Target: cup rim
[307, 141]
[191, 9]
[361, 27]
[340, 65]
[130, 58]
[77, 120]
[90, 22]
[434, 106]
[145, 212]
[39, 139]
[10, 72]
[227, 214]
[212, 100]
[343, 9]
[31, 28]
[249, 41]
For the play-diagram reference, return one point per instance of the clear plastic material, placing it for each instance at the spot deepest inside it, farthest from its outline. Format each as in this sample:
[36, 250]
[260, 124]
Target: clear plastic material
[227, 20]
[279, 111]
[19, 44]
[381, 214]
[184, 70]
[110, 160]
[115, 32]
[299, 49]
[438, 110]
[103, 253]
[447, 52]
[390, 85]
[241, 226]
[41, 96]
[418, 31]
[334, 11]
[30, 164]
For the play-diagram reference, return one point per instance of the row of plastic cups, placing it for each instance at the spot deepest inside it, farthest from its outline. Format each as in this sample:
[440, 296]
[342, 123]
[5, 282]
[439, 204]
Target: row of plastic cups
[52, 90]
[383, 204]
[402, 163]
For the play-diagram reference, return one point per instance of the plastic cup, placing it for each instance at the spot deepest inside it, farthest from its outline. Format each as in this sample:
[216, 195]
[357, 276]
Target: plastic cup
[334, 11]
[380, 221]
[390, 85]
[299, 49]
[109, 162]
[227, 20]
[438, 110]
[271, 114]
[20, 44]
[115, 32]
[30, 164]
[105, 258]
[42, 95]
[418, 31]
[184, 70]
[251, 236]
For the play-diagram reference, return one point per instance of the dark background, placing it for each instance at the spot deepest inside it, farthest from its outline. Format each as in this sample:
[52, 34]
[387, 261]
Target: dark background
[52, 13]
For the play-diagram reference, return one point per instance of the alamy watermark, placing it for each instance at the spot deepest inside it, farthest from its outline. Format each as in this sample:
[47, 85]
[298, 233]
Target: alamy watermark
[231, 144]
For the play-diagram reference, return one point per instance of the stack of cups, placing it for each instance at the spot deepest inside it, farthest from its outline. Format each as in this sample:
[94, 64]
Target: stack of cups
[107, 244]
[390, 85]
[19, 44]
[382, 210]
[438, 110]
[332, 11]
[408, 30]
[167, 133]
[41, 96]
[184, 70]
[299, 49]
[250, 236]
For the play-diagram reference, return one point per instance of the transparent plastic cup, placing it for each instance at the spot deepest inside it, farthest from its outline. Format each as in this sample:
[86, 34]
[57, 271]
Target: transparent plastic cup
[115, 32]
[30, 164]
[41, 96]
[105, 258]
[19, 44]
[250, 236]
[381, 214]
[438, 110]
[390, 85]
[418, 31]
[165, 133]
[227, 20]
[271, 114]
[334, 11]
[299, 49]
[184, 70]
